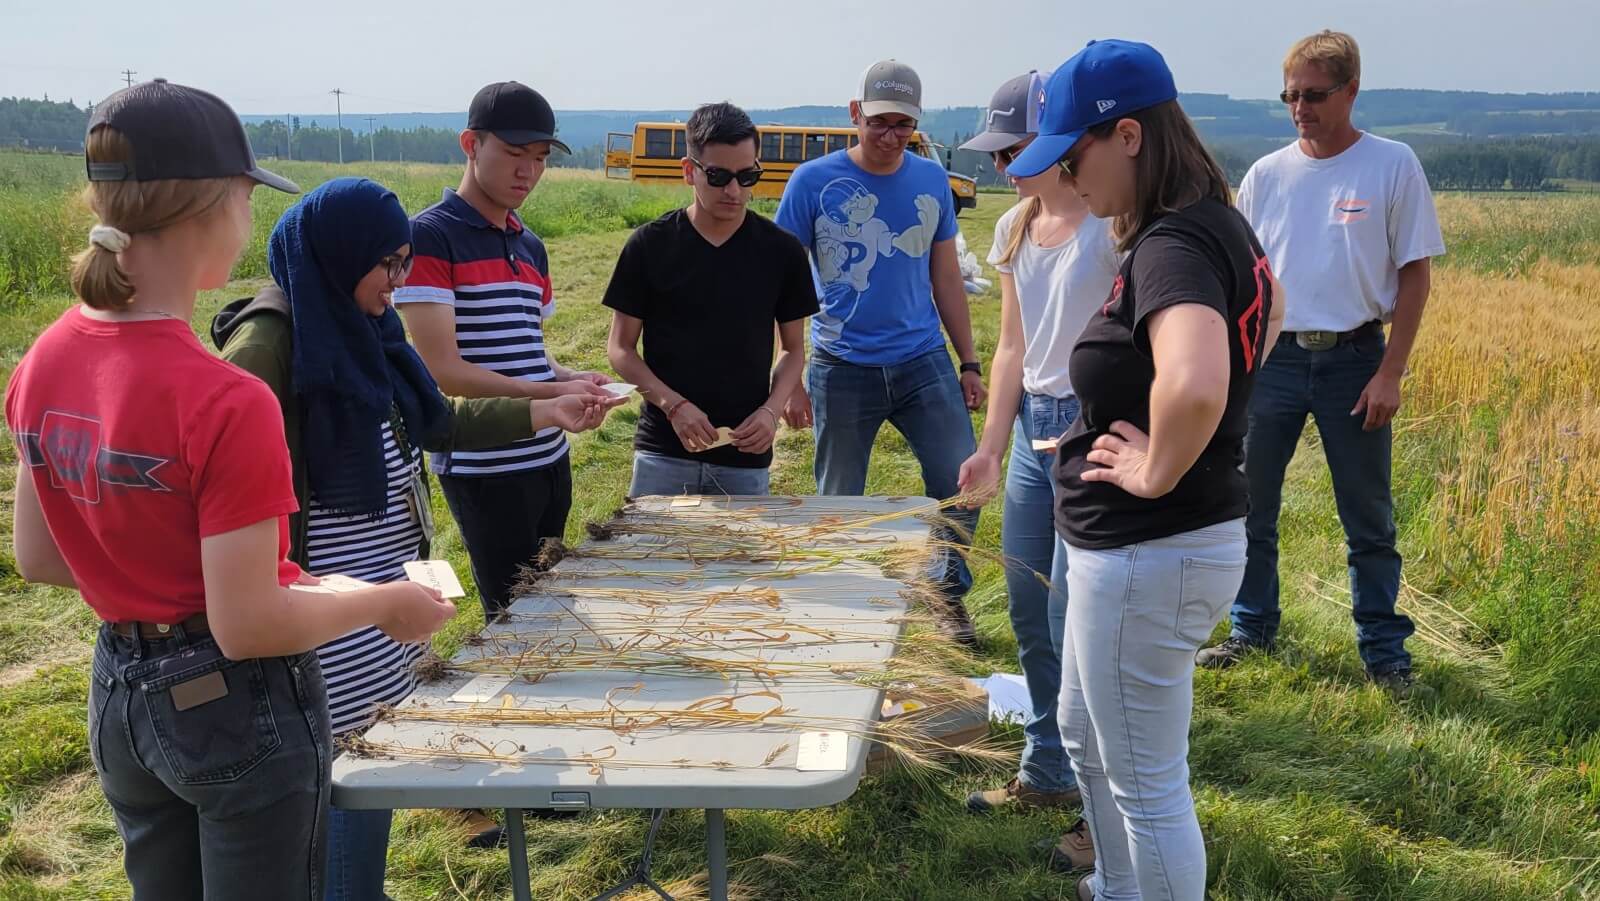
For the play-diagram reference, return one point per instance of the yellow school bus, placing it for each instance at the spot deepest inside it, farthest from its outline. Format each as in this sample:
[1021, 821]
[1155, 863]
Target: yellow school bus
[655, 150]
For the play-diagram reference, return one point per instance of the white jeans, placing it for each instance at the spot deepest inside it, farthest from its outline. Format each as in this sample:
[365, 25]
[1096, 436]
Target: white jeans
[1137, 616]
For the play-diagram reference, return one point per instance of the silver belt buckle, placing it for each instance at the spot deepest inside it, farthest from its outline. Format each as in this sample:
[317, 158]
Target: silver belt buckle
[1317, 341]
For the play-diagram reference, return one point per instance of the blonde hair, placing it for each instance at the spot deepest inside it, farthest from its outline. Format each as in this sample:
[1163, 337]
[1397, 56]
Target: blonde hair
[1027, 211]
[1334, 52]
[132, 207]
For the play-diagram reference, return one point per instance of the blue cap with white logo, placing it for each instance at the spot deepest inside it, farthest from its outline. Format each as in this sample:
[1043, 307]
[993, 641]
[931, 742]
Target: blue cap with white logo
[1104, 81]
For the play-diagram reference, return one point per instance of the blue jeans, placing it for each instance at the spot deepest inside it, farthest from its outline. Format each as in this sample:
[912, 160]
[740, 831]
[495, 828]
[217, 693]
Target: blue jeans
[660, 475]
[1325, 385]
[358, 849]
[922, 399]
[1038, 611]
[1138, 614]
[215, 795]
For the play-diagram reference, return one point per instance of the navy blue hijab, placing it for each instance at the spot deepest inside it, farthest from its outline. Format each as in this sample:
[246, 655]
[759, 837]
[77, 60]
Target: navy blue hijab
[351, 370]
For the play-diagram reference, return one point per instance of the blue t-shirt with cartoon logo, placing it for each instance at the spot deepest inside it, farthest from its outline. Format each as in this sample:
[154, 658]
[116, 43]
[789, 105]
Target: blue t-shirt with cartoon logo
[871, 238]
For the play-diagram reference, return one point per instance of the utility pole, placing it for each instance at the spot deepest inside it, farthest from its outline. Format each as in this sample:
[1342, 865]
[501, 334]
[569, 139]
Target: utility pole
[127, 76]
[338, 108]
[372, 138]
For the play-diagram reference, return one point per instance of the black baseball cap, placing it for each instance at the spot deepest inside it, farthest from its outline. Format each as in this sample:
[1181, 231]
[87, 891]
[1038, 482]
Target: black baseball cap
[514, 113]
[177, 132]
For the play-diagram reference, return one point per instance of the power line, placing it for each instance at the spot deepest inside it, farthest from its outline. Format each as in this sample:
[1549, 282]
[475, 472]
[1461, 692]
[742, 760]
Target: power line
[127, 76]
[338, 110]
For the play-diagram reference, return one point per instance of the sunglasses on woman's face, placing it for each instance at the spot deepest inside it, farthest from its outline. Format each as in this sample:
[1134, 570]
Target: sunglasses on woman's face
[1310, 95]
[396, 266]
[719, 177]
[1004, 157]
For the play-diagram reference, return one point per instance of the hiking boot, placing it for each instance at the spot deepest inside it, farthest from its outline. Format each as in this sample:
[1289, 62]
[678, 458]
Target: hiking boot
[1084, 891]
[1075, 851]
[480, 830]
[1402, 685]
[1015, 794]
[1226, 653]
[954, 624]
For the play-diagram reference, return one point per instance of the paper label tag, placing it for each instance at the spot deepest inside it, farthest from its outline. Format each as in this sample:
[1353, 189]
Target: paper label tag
[435, 574]
[685, 503]
[481, 688]
[724, 438]
[823, 751]
[1045, 445]
[333, 584]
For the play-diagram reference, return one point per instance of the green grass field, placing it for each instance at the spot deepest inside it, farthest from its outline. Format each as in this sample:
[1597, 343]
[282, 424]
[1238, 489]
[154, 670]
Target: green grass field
[1309, 783]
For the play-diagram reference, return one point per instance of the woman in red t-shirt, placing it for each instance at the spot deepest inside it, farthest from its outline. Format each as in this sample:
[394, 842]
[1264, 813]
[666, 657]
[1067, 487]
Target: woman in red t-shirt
[155, 480]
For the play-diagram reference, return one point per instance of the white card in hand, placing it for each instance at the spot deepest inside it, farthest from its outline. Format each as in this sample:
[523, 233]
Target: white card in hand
[822, 751]
[724, 438]
[620, 389]
[481, 688]
[435, 574]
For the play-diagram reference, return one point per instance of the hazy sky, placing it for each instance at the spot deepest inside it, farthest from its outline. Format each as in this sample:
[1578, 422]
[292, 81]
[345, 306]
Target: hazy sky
[431, 55]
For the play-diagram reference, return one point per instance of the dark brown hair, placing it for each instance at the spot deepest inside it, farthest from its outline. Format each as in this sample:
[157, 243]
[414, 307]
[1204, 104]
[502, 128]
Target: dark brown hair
[1173, 170]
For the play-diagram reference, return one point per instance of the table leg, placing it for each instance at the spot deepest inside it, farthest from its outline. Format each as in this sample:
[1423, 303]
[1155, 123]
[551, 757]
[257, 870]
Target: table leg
[517, 842]
[717, 854]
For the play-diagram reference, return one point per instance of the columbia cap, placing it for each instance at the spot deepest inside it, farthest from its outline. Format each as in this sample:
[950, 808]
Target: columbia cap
[514, 113]
[1013, 114]
[890, 87]
[1104, 81]
[177, 132]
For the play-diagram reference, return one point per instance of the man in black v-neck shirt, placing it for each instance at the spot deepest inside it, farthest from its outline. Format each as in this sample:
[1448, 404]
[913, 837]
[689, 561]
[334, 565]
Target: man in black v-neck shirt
[705, 286]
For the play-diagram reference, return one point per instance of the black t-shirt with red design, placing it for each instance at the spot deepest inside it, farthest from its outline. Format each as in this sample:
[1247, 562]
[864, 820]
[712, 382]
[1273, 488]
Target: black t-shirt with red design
[1205, 254]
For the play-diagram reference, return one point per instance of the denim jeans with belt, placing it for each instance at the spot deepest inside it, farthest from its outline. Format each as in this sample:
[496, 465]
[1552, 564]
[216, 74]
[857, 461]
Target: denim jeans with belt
[659, 474]
[1137, 616]
[1324, 385]
[225, 799]
[921, 398]
[1036, 565]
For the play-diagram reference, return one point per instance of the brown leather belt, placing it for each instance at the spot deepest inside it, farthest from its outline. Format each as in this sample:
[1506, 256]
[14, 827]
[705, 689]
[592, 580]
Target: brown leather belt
[194, 625]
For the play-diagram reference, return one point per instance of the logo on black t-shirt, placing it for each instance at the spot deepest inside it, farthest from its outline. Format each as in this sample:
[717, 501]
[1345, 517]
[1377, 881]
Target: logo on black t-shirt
[1250, 321]
[1116, 295]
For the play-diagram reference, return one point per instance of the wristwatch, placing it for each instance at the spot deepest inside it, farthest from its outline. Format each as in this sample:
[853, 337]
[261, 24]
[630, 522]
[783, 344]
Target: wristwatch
[974, 368]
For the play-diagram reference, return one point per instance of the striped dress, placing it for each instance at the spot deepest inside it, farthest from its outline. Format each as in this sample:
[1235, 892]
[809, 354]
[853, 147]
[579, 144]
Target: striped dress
[367, 668]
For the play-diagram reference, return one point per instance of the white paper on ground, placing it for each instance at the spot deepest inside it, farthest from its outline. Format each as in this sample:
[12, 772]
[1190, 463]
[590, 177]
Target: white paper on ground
[481, 688]
[822, 751]
[1008, 698]
[436, 574]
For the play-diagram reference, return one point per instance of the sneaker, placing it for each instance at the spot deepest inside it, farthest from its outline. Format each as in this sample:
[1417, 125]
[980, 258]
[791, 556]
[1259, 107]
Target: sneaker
[1402, 685]
[1075, 850]
[955, 625]
[1229, 651]
[1018, 795]
[1084, 891]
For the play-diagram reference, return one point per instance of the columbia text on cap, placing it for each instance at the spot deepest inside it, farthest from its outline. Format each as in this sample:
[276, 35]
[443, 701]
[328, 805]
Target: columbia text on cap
[514, 113]
[891, 87]
[177, 132]
[1104, 81]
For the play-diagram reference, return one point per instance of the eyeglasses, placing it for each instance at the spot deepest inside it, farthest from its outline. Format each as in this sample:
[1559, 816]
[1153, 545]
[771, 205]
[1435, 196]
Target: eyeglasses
[1311, 95]
[900, 129]
[1069, 162]
[719, 177]
[396, 266]
[1004, 157]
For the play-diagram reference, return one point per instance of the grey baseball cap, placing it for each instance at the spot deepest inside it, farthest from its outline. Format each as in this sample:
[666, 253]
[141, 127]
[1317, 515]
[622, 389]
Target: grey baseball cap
[1013, 114]
[890, 87]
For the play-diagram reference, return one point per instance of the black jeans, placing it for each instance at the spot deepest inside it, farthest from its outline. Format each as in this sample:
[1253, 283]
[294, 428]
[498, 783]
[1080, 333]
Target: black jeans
[504, 520]
[224, 799]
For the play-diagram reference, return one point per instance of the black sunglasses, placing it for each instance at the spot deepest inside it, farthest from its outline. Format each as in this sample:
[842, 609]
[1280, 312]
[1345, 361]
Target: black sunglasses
[397, 266]
[719, 177]
[1311, 95]
[1004, 157]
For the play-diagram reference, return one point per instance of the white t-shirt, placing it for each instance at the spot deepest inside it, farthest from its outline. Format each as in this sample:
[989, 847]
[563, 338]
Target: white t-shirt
[1058, 289]
[1338, 230]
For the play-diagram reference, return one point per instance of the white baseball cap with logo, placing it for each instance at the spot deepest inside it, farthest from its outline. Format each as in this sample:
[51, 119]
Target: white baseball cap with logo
[890, 87]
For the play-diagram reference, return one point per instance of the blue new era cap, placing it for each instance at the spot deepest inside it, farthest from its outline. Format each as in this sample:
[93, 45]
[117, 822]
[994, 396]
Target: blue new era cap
[1105, 80]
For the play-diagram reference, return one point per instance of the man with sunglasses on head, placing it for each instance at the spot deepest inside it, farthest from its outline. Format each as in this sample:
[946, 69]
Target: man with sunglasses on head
[881, 226]
[705, 287]
[1349, 225]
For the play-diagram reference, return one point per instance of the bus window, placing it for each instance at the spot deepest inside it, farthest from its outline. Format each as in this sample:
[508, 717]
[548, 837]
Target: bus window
[794, 148]
[658, 143]
[816, 146]
[771, 147]
[838, 142]
[855, 139]
[680, 144]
